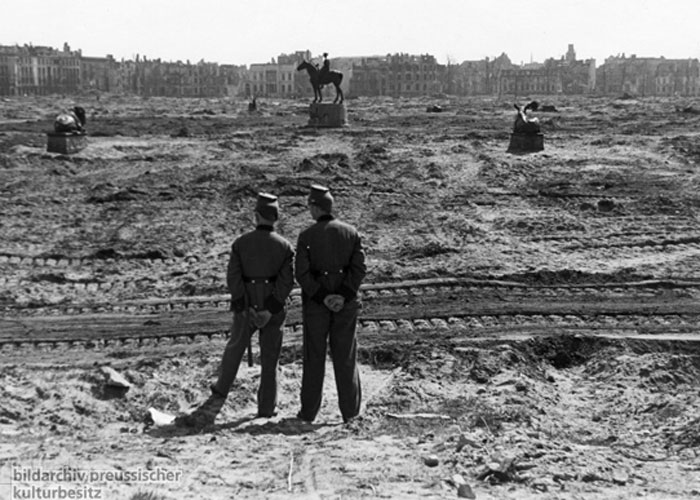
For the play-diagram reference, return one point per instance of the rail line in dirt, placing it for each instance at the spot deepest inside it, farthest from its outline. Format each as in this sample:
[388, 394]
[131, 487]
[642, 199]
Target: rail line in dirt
[468, 307]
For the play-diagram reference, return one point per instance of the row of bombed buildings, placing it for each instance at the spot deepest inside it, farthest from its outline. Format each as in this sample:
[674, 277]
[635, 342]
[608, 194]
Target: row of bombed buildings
[37, 70]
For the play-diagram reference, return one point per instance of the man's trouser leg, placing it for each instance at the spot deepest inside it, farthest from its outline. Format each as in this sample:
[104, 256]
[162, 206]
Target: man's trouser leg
[233, 353]
[270, 348]
[317, 320]
[343, 345]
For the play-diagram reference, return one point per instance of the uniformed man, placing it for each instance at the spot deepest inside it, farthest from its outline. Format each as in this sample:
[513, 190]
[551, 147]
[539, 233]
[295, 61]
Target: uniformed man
[260, 278]
[330, 266]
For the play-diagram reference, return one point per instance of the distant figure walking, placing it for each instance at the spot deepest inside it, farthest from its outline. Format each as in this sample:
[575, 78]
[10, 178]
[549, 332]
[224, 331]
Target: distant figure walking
[70, 121]
[322, 77]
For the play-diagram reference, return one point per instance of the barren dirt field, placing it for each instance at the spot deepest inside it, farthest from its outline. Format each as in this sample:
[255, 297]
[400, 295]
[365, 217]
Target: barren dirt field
[530, 325]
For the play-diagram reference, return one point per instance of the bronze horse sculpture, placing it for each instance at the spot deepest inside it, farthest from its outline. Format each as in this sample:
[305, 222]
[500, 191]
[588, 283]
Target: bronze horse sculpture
[334, 77]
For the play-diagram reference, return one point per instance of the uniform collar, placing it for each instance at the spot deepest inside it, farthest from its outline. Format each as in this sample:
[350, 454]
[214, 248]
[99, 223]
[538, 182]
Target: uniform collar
[325, 217]
[264, 227]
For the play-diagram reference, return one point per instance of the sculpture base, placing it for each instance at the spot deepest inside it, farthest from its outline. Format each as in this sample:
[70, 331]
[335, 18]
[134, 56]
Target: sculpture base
[525, 143]
[65, 142]
[323, 114]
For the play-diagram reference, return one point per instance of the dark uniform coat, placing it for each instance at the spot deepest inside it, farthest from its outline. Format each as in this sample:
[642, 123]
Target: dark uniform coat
[260, 271]
[260, 276]
[330, 260]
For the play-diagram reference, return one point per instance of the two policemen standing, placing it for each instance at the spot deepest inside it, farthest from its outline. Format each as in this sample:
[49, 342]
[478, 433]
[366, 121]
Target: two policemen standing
[330, 266]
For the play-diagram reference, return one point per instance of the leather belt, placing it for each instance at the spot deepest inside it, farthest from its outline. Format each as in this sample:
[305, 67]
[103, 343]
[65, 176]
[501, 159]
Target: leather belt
[316, 273]
[256, 281]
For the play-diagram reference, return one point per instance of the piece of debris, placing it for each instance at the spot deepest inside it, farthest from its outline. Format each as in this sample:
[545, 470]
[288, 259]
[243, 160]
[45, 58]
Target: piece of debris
[687, 109]
[465, 491]
[620, 478]
[499, 470]
[160, 418]
[115, 379]
[434, 109]
[606, 205]
[183, 132]
[431, 460]
[408, 416]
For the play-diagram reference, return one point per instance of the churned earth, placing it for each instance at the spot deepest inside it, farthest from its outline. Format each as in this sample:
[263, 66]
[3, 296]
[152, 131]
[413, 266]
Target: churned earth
[575, 377]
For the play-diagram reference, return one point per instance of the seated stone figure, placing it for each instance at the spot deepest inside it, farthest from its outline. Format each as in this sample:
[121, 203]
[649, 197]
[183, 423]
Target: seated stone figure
[70, 121]
[524, 123]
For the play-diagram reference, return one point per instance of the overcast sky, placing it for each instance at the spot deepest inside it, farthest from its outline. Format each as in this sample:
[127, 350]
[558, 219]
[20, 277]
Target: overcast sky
[254, 31]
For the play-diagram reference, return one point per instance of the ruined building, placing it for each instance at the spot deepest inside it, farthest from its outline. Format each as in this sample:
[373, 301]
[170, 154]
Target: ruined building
[99, 73]
[30, 70]
[276, 78]
[566, 75]
[476, 77]
[38, 70]
[649, 76]
[397, 75]
[178, 79]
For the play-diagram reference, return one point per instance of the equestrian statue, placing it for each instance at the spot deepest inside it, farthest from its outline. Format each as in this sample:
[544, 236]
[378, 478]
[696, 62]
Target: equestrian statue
[323, 76]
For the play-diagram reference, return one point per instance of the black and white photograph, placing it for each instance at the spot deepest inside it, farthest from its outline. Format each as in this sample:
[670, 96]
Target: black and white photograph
[334, 250]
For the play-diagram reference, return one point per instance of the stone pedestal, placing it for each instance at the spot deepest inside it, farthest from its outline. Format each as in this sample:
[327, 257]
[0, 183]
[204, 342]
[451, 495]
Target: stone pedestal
[525, 143]
[65, 143]
[323, 114]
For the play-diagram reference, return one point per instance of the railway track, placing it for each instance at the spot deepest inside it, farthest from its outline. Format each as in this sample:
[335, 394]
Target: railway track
[465, 307]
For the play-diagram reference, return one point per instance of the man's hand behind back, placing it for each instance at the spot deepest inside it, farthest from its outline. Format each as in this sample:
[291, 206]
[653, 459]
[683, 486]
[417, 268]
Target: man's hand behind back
[259, 318]
[334, 302]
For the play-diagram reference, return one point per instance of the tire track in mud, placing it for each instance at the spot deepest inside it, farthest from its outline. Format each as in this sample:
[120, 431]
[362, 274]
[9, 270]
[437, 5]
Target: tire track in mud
[390, 312]
[66, 278]
[500, 290]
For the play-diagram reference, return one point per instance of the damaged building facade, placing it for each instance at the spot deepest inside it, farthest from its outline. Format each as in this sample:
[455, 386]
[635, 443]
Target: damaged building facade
[179, 79]
[38, 70]
[649, 76]
[278, 78]
[476, 77]
[397, 75]
[566, 75]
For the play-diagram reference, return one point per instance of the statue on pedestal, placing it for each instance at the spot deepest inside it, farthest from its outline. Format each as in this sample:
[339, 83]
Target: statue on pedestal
[68, 135]
[70, 121]
[323, 76]
[524, 123]
[527, 136]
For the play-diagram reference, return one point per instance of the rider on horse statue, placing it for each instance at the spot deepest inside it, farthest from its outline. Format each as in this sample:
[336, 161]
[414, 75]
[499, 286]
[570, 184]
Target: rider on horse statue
[323, 76]
[325, 69]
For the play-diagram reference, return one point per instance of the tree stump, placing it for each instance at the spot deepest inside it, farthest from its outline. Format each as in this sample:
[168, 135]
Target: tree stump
[323, 114]
[65, 142]
[525, 143]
